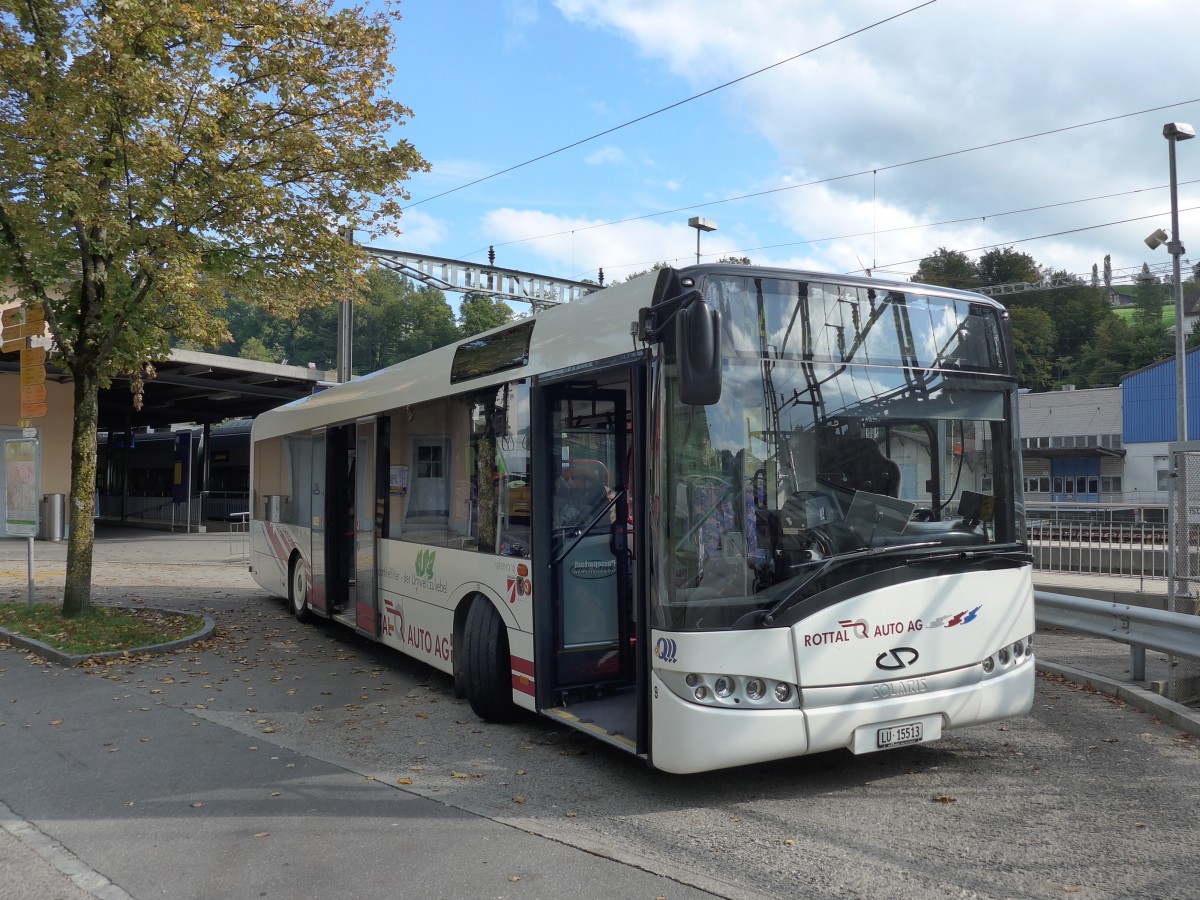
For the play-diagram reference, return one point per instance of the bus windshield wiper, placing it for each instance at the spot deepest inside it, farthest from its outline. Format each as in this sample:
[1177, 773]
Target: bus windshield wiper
[980, 555]
[768, 618]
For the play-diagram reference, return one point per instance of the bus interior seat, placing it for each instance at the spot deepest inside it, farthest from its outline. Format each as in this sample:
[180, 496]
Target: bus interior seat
[858, 463]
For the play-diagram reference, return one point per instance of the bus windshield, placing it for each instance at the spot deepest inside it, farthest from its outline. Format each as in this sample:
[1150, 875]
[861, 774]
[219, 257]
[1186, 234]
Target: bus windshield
[854, 433]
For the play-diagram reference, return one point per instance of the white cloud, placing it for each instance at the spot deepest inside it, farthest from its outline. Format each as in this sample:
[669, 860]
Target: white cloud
[605, 155]
[521, 16]
[942, 79]
[577, 245]
[419, 233]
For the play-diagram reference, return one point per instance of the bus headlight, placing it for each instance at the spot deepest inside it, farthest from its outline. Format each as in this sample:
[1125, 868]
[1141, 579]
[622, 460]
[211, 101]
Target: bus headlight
[731, 691]
[1009, 656]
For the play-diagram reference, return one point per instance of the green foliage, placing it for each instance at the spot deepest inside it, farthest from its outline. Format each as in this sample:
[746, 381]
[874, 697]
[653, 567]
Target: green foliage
[393, 320]
[1033, 338]
[254, 348]
[412, 322]
[1076, 312]
[1148, 304]
[158, 156]
[948, 268]
[1007, 266]
[100, 630]
[479, 313]
[633, 275]
[1109, 356]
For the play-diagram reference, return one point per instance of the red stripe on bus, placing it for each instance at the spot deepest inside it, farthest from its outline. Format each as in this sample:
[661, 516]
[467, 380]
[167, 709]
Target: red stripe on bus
[522, 684]
[278, 541]
[524, 666]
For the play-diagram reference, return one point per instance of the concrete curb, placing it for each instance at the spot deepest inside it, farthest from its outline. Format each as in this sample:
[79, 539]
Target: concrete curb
[1175, 714]
[73, 659]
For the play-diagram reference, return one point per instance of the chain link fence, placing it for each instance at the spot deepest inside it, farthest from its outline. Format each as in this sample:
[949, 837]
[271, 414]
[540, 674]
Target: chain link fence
[1183, 585]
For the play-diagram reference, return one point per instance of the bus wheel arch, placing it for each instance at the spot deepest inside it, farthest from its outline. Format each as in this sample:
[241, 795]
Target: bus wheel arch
[482, 667]
[298, 588]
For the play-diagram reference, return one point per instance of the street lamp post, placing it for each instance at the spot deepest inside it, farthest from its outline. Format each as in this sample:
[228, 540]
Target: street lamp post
[1175, 132]
[705, 225]
[1180, 569]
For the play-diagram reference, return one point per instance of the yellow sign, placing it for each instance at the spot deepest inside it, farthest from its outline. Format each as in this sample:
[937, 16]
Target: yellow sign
[33, 410]
[33, 375]
[33, 356]
[33, 394]
[10, 346]
[20, 315]
[16, 332]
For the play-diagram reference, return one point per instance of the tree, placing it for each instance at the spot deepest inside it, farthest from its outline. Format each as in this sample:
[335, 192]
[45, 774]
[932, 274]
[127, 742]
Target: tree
[654, 268]
[1109, 356]
[735, 261]
[155, 155]
[1076, 311]
[254, 348]
[1033, 344]
[1006, 266]
[948, 268]
[479, 313]
[398, 321]
[1148, 303]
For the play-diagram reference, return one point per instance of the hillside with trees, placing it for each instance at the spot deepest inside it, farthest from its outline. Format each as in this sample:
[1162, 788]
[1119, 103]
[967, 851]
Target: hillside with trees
[394, 320]
[1065, 330]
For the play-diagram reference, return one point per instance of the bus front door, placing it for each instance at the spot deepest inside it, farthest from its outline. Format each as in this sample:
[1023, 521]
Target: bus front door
[587, 632]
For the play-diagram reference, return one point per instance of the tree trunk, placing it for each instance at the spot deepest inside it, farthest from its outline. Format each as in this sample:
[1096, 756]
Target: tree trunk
[77, 593]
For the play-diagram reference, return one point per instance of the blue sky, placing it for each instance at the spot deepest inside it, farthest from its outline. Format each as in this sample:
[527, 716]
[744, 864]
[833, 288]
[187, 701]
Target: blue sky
[492, 84]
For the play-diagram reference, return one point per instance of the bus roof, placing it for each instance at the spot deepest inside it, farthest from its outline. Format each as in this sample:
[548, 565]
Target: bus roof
[598, 326]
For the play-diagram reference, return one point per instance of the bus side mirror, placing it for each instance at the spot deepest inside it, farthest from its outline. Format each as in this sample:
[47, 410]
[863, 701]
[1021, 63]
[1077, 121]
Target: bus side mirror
[698, 352]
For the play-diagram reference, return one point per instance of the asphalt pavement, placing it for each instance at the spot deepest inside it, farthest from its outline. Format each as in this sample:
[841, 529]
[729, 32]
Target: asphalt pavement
[105, 792]
[108, 792]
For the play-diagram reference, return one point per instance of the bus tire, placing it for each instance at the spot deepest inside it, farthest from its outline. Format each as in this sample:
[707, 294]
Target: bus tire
[486, 669]
[298, 589]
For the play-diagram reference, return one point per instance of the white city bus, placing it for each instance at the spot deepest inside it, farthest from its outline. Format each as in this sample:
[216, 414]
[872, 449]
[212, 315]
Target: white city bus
[712, 516]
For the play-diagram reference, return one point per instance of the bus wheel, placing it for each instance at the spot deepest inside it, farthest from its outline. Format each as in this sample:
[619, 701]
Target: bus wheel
[485, 666]
[298, 590]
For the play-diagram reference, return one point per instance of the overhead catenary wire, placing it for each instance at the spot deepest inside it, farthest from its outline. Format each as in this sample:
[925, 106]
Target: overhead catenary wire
[1041, 237]
[939, 223]
[669, 107]
[832, 178]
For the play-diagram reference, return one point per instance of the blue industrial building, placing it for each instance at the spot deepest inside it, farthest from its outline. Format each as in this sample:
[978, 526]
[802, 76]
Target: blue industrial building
[1106, 445]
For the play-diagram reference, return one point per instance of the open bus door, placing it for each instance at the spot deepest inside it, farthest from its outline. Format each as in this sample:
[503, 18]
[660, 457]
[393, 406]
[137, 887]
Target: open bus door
[344, 524]
[318, 597]
[587, 669]
[365, 478]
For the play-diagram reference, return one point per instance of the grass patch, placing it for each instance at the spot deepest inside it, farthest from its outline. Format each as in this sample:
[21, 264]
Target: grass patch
[100, 630]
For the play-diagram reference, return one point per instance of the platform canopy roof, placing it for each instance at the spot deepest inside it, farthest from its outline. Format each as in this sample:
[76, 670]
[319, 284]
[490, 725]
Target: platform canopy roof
[195, 387]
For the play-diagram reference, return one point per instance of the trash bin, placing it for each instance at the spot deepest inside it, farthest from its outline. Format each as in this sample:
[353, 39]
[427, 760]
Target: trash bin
[54, 510]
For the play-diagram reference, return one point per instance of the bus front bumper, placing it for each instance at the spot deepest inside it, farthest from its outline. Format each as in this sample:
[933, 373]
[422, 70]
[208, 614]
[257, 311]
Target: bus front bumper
[688, 737]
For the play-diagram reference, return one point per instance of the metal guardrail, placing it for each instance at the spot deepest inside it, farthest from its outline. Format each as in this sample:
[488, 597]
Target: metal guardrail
[1142, 629]
[239, 533]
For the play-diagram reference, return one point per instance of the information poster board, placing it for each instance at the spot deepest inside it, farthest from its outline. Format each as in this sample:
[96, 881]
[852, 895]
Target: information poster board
[21, 488]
